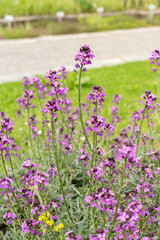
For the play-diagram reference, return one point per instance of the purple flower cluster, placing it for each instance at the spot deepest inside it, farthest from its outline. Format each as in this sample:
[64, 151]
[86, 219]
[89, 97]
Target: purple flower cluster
[35, 82]
[84, 57]
[115, 109]
[9, 217]
[97, 95]
[52, 107]
[30, 226]
[100, 234]
[103, 199]
[72, 236]
[6, 125]
[33, 177]
[32, 122]
[24, 101]
[155, 59]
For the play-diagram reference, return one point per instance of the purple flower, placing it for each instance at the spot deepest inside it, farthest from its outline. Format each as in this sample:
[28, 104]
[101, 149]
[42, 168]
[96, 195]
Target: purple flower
[52, 107]
[30, 226]
[96, 173]
[84, 57]
[97, 95]
[155, 58]
[84, 157]
[32, 122]
[72, 236]
[116, 99]
[9, 217]
[25, 99]
[52, 171]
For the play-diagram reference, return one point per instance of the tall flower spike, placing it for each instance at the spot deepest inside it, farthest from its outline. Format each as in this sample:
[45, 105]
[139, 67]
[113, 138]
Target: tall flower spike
[84, 57]
[97, 95]
[155, 59]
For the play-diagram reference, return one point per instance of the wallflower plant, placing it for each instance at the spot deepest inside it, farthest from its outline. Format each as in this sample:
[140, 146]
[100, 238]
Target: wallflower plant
[77, 178]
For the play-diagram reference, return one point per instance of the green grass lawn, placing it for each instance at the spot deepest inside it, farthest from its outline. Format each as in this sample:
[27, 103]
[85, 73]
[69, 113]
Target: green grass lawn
[130, 80]
[93, 23]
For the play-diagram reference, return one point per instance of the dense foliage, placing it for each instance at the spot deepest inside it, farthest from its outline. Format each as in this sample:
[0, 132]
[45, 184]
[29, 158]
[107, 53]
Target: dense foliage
[76, 178]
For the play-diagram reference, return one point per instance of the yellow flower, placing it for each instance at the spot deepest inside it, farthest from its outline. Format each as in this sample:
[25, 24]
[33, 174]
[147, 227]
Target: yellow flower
[58, 227]
[45, 217]
[49, 222]
[43, 230]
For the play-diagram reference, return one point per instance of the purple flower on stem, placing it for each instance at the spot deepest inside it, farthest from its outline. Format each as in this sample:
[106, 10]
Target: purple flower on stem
[72, 236]
[30, 226]
[9, 217]
[84, 157]
[116, 99]
[97, 95]
[32, 122]
[84, 57]
[52, 107]
[26, 98]
[6, 125]
[155, 58]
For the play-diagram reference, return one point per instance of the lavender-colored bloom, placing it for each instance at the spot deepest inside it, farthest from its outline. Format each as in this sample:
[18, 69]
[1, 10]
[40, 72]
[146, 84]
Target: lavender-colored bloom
[150, 99]
[116, 99]
[100, 234]
[155, 58]
[4, 141]
[52, 171]
[27, 164]
[2, 115]
[33, 177]
[97, 95]
[26, 82]
[96, 124]
[72, 236]
[6, 125]
[84, 57]
[52, 107]
[114, 114]
[9, 217]
[102, 199]
[32, 122]
[30, 226]
[67, 143]
[96, 173]
[63, 72]
[26, 98]
[84, 157]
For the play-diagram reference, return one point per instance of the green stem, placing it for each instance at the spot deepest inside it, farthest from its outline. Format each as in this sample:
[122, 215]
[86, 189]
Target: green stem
[80, 110]
[30, 135]
[90, 186]
[12, 229]
[83, 169]
[13, 170]
[11, 162]
[58, 170]
[4, 166]
[70, 133]
[118, 201]
[140, 220]
[150, 133]
[141, 126]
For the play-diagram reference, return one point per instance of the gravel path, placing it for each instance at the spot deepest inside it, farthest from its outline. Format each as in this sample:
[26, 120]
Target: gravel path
[27, 57]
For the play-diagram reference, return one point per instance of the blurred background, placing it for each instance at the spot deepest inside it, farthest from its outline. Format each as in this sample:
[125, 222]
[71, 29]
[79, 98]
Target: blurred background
[30, 18]
[21, 57]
